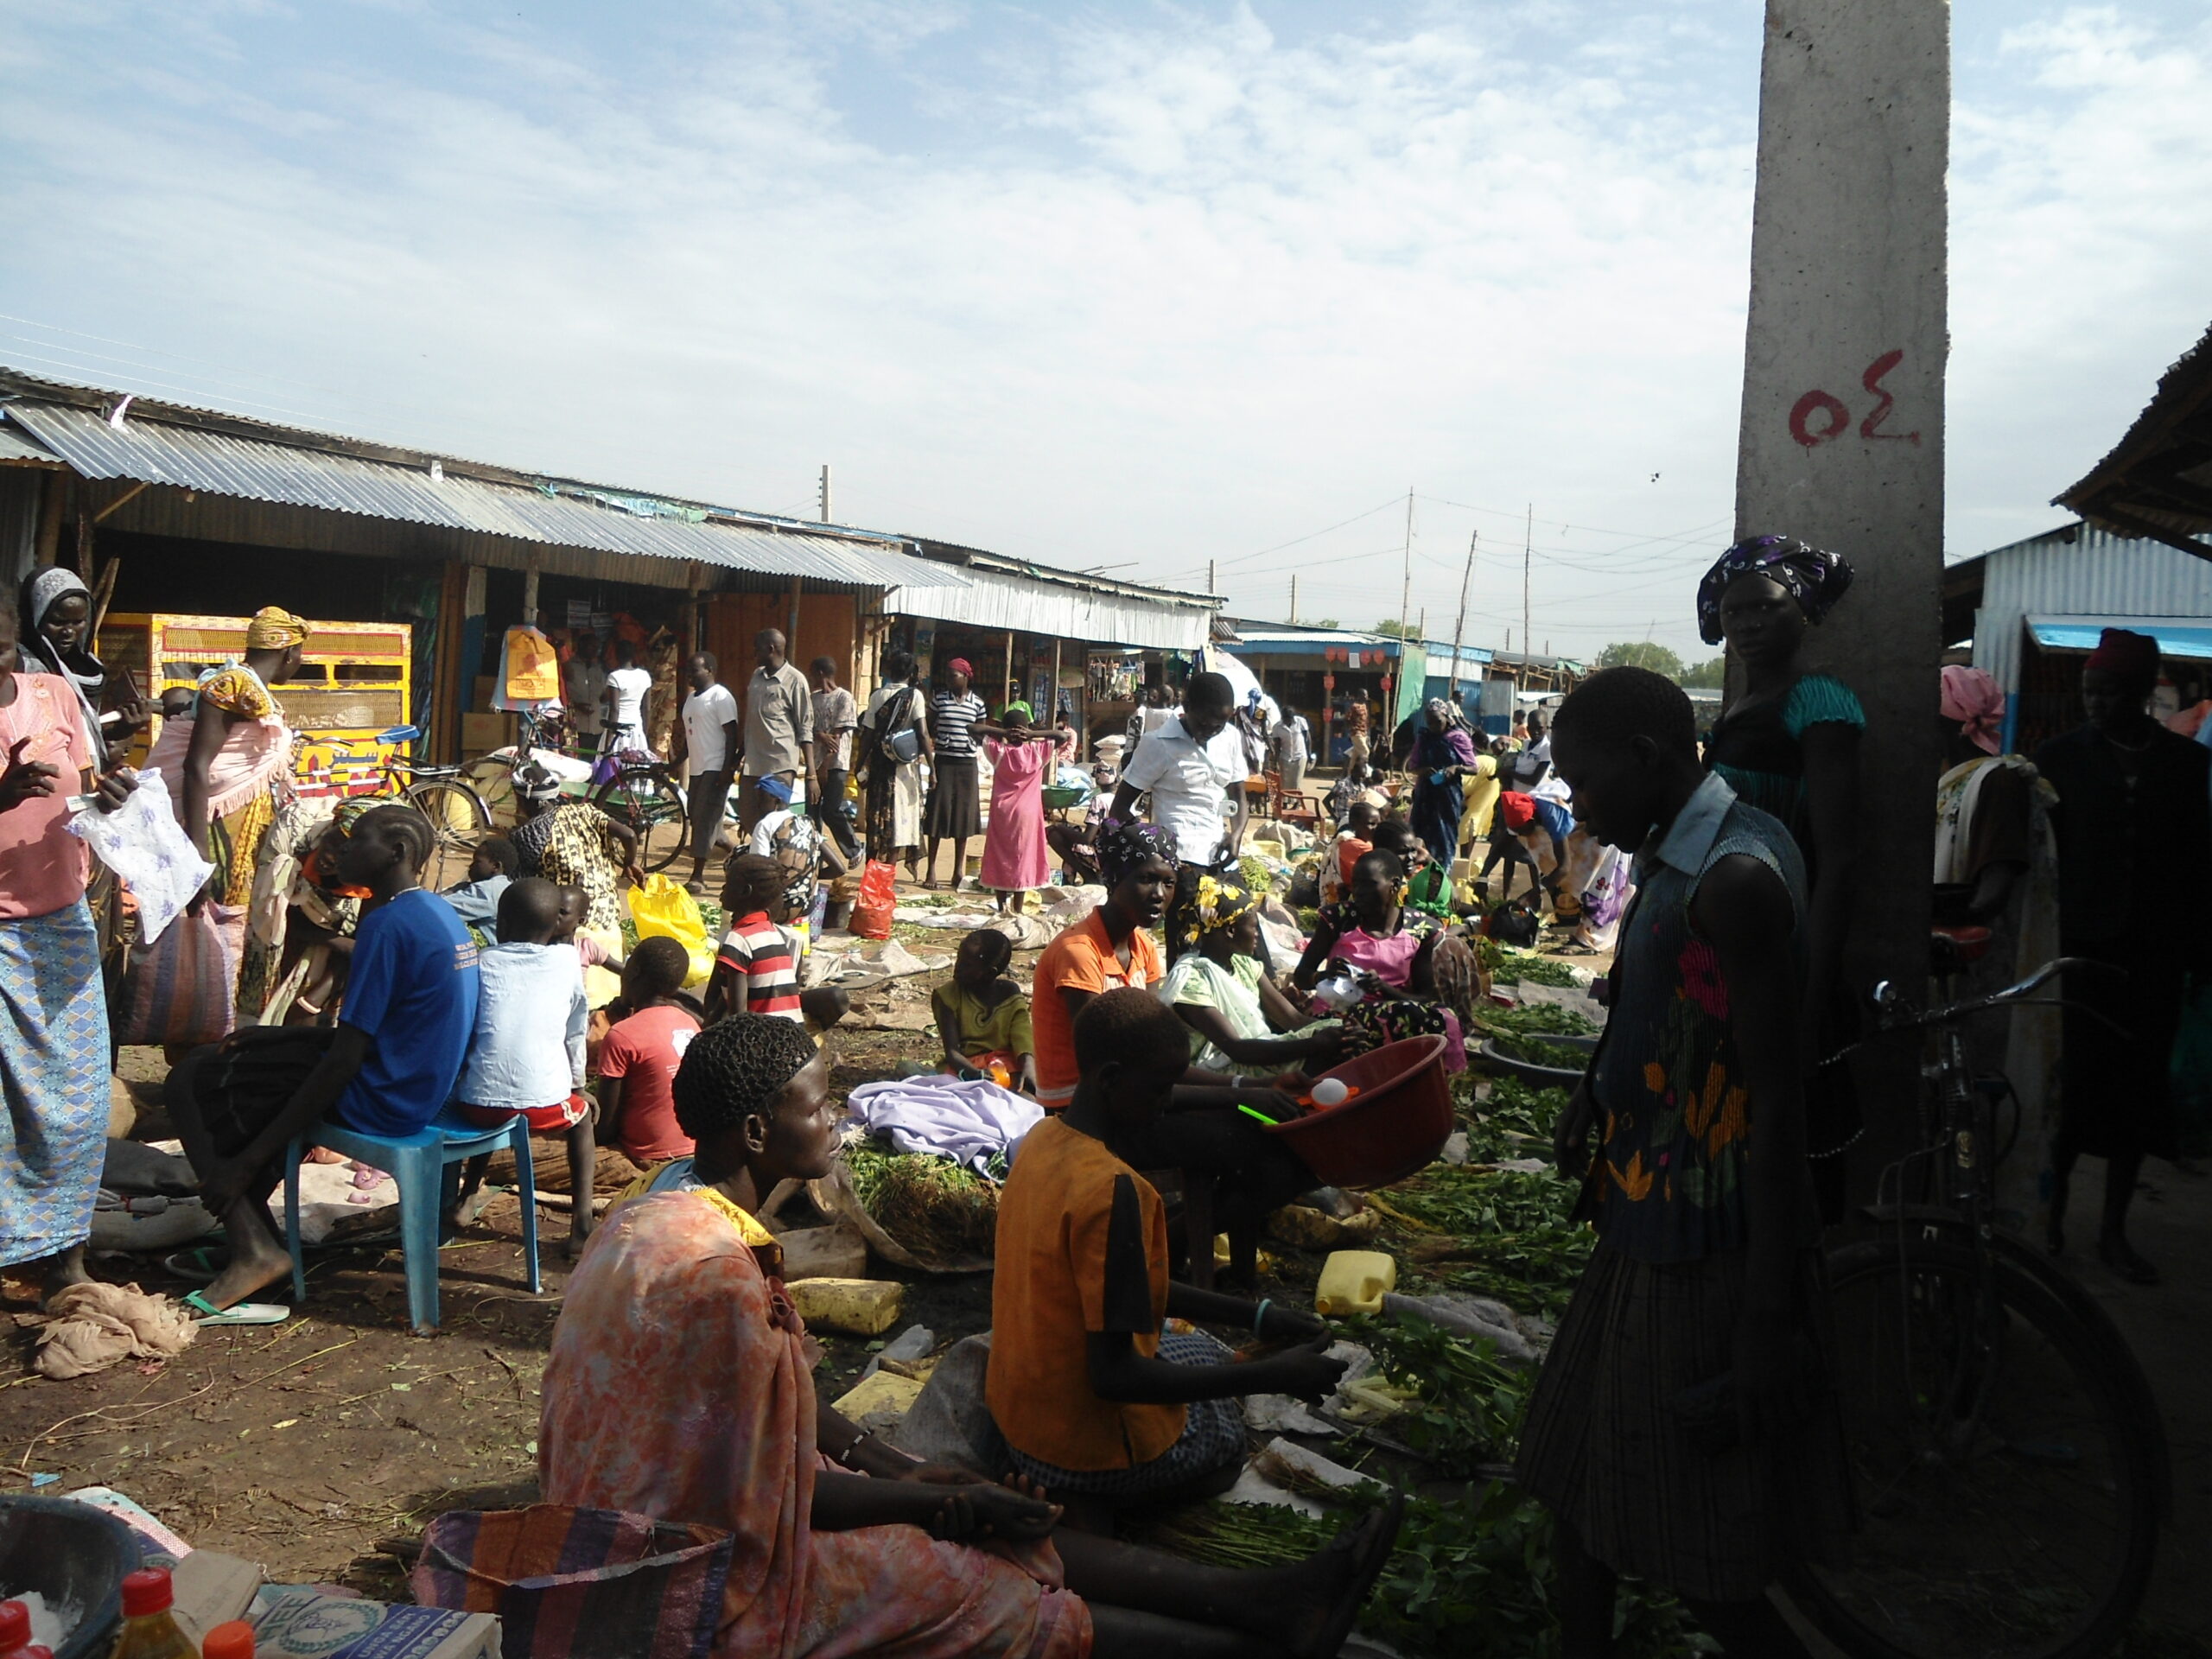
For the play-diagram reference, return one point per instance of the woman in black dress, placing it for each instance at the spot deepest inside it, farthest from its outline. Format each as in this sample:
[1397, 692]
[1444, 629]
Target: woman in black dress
[2134, 830]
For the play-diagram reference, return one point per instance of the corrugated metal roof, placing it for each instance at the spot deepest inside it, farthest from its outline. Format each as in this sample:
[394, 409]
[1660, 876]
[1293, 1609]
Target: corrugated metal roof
[256, 469]
[1311, 641]
[2158, 477]
[2079, 570]
[2176, 638]
[16, 449]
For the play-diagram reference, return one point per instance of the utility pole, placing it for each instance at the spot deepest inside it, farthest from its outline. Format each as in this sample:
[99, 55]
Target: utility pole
[825, 494]
[1527, 558]
[1406, 588]
[1293, 595]
[1460, 621]
[1210, 586]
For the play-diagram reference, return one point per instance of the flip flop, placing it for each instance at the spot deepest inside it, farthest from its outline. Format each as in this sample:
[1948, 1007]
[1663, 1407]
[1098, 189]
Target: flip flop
[197, 1266]
[238, 1312]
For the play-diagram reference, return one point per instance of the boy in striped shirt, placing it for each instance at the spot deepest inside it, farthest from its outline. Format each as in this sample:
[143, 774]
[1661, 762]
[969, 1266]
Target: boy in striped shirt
[756, 968]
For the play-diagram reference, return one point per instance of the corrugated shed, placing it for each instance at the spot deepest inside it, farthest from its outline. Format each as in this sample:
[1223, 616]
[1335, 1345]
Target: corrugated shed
[1001, 600]
[2079, 570]
[549, 514]
[16, 450]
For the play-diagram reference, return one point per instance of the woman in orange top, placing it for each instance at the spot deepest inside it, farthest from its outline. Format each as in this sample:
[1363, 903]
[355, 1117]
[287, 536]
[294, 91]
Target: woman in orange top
[681, 1386]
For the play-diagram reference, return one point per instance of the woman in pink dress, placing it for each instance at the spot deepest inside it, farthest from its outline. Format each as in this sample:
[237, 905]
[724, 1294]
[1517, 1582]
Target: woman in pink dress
[1013, 843]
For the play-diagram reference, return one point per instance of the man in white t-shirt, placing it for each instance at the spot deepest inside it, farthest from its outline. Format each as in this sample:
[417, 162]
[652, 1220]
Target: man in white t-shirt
[583, 677]
[1193, 764]
[711, 737]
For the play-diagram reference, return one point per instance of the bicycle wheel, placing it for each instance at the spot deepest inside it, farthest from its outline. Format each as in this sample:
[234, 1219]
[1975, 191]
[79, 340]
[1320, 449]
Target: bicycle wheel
[652, 804]
[493, 780]
[2007, 1487]
[457, 823]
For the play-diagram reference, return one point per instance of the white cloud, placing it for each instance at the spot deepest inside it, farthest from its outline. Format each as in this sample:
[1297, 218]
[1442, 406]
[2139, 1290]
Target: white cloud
[1150, 288]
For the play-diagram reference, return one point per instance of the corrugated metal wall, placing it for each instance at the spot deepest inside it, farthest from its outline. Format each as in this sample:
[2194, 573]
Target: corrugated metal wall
[2080, 571]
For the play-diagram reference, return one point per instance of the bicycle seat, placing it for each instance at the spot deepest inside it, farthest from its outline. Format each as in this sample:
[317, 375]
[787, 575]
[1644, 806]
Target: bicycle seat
[1951, 948]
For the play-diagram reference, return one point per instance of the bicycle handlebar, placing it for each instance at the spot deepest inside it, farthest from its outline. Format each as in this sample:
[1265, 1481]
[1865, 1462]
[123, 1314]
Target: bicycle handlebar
[1893, 1013]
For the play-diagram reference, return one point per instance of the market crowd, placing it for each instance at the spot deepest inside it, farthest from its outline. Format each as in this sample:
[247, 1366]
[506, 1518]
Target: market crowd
[1162, 1029]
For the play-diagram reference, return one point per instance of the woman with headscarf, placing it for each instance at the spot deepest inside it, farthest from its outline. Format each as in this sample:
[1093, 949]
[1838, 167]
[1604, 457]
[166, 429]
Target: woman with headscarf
[1238, 1014]
[2134, 830]
[1014, 844]
[1415, 977]
[574, 844]
[57, 639]
[894, 739]
[54, 1031]
[1442, 756]
[227, 759]
[954, 810]
[1789, 747]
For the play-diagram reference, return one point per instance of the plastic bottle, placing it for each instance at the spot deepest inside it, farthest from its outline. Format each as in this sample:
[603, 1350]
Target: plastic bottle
[231, 1641]
[149, 1631]
[14, 1625]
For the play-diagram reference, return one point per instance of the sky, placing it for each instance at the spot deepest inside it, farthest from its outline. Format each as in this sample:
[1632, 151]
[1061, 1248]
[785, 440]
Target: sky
[1129, 287]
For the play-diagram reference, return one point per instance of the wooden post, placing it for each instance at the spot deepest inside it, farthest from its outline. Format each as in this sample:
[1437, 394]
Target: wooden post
[1009, 697]
[1056, 685]
[790, 626]
[53, 509]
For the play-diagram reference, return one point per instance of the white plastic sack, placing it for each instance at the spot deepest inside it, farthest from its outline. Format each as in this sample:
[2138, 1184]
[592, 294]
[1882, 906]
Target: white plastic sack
[141, 842]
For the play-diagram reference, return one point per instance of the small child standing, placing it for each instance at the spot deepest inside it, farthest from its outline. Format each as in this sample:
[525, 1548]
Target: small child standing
[476, 900]
[756, 969]
[637, 1062]
[527, 1056]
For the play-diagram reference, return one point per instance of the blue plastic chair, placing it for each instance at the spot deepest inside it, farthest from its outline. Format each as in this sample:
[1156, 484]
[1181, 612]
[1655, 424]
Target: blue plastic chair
[418, 1162]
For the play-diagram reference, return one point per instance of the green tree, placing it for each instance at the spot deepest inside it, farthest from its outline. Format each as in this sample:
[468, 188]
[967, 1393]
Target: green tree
[1326, 622]
[1641, 653]
[1706, 676]
[1396, 629]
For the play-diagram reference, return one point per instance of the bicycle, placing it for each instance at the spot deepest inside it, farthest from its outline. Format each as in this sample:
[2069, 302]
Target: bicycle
[2004, 1445]
[647, 796]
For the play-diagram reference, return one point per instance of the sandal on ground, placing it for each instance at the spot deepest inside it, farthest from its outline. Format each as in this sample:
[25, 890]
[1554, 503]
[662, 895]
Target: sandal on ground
[197, 1266]
[238, 1312]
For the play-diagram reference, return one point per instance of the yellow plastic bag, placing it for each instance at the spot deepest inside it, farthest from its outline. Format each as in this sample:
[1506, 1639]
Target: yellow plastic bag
[533, 667]
[661, 908]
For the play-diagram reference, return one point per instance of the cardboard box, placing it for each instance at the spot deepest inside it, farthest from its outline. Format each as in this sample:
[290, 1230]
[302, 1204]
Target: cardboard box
[292, 1622]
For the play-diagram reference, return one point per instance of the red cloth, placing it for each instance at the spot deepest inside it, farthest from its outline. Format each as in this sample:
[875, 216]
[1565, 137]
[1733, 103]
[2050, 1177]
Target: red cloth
[561, 1117]
[1519, 809]
[643, 1050]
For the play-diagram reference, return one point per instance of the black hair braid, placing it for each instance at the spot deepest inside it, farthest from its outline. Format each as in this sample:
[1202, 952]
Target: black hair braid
[734, 1069]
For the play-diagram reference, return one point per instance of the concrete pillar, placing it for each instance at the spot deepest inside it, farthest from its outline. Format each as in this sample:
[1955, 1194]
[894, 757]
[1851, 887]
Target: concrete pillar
[1842, 439]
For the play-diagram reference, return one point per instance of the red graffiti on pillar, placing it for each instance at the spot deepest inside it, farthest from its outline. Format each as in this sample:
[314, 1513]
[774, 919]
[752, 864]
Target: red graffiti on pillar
[1871, 427]
[1837, 416]
[1814, 403]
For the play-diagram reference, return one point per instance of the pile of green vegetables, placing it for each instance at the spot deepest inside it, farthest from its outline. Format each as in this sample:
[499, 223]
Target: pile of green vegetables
[1510, 966]
[1520, 1034]
[935, 1207]
[1469, 1576]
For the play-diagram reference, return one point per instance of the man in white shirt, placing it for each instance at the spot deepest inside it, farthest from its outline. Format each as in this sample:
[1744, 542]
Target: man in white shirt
[1194, 766]
[709, 737]
[1291, 742]
[583, 677]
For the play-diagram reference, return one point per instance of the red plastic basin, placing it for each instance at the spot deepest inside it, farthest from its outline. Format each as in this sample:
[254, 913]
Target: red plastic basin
[1395, 1126]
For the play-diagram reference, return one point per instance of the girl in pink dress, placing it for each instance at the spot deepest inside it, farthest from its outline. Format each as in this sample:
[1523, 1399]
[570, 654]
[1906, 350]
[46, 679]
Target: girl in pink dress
[1013, 843]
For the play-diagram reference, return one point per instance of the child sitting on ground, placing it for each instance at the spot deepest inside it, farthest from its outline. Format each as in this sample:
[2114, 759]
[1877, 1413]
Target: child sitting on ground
[637, 1062]
[1428, 884]
[476, 901]
[1092, 1399]
[526, 1057]
[983, 1017]
[756, 968]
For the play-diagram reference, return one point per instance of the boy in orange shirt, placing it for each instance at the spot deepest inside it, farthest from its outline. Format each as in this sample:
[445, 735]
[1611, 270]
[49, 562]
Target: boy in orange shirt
[1091, 1398]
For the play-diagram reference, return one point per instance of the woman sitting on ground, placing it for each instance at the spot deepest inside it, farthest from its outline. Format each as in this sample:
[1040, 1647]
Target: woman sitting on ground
[983, 1017]
[1417, 978]
[1240, 1018]
[1428, 884]
[842, 1546]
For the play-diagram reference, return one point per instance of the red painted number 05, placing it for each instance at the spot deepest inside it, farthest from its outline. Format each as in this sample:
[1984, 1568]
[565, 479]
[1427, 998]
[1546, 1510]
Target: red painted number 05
[1819, 416]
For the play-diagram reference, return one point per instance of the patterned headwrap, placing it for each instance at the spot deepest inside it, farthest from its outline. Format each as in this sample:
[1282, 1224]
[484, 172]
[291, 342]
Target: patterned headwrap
[1813, 578]
[1971, 696]
[537, 784]
[49, 586]
[1217, 905]
[961, 665]
[1122, 847]
[274, 628]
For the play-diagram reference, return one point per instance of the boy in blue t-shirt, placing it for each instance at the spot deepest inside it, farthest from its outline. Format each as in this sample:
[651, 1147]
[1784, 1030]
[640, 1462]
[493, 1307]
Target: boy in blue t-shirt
[388, 1068]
